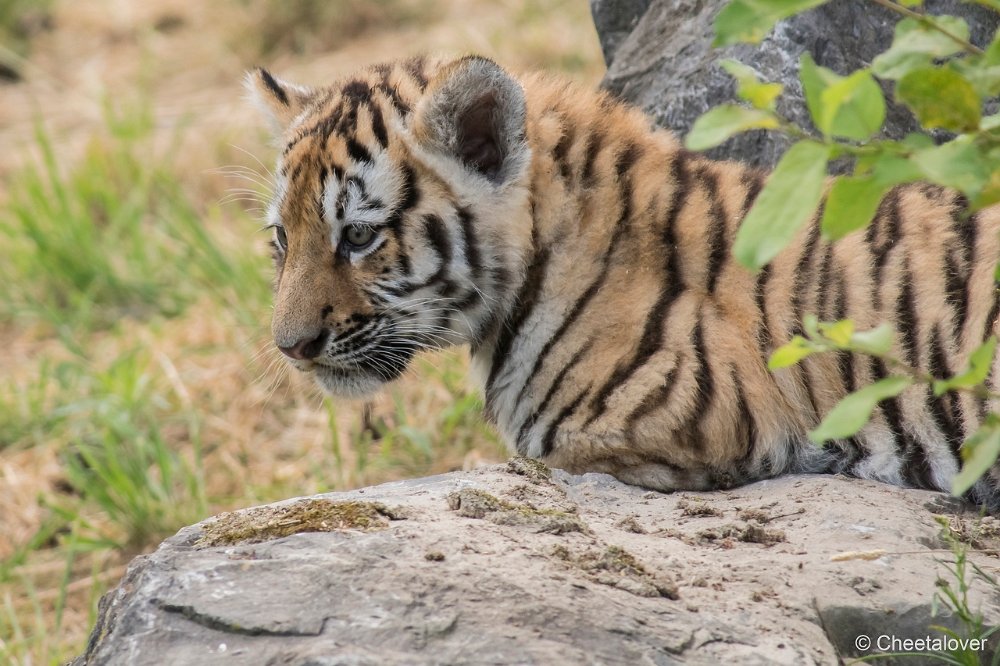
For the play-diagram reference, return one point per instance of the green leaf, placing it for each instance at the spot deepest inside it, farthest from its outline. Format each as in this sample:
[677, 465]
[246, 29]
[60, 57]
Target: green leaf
[979, 452]
[917, 45]
[722, 122]
[853, 107]
[815, 80]
[791, 353]
[941, 98]
[891, 169]
[918, 141]
[751, 20]
[838, 332]
[979, 368]
[877, 342]
[957, 164]
[787, 202]
[854, 411]
[984, 78]
[749, 86]
[846, 106]
[851, 205]
[810, 324]
[990, 194]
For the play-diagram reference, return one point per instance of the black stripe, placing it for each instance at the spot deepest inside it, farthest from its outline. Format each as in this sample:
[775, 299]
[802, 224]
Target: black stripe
[357, 92]
[948, 417]
[763, 334]
[626, 159]
[966, 228]
[415, 67]
[411, 193]
[991, 318]
[824, 281]
[378, 125]
[564, 413]
[987, 331]
[916, 467]
[906, 316]
[468, 300]
[438, 239]
[968, 231]
[956, 292]
[539, 410]
[348, 118]
[390, 91]
[717, 250]
[881, 241]
[655, 398]
[594, 142]
[803, 272]
[437, 236]
[747, 424]
[526, 300]
[845, 360]
[409, 197]
[357, 151]
[805, 377]
[472, 255]
[398, 103]
[703, 382]
[957, 277]
[651, 339]
[754, 182]
[561, 150]
[273, 86]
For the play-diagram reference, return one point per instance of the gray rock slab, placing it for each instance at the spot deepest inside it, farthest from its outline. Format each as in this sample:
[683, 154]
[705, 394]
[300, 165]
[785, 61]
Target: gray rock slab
[666, 64]
[442, 588]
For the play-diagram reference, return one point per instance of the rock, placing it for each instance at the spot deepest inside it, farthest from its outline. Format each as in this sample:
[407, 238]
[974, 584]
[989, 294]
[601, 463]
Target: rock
[615, 19]
[467, 568]
[667, 66]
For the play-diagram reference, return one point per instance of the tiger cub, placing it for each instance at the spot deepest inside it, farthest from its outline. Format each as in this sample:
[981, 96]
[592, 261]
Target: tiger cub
[584, 256]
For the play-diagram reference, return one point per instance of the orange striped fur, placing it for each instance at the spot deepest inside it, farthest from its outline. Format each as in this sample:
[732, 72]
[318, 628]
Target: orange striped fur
[586, 259]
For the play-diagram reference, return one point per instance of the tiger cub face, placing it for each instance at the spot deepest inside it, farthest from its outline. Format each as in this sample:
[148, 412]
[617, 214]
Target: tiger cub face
[399, 213]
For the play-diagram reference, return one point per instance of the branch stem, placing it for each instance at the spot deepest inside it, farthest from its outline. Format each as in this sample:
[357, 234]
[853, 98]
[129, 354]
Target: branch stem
[925, 20]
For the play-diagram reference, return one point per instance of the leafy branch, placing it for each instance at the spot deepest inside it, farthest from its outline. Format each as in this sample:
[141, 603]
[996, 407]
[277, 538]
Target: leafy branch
[939, 74]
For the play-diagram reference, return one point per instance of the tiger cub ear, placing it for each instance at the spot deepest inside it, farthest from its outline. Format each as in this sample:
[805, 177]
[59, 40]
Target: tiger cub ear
[279, 101]
[474, 111]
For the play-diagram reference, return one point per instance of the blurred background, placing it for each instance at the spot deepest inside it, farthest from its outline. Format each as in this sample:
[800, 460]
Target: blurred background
[139, 390]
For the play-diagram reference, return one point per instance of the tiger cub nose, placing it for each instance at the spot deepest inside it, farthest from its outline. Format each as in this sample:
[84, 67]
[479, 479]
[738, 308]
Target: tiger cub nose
[307, 348]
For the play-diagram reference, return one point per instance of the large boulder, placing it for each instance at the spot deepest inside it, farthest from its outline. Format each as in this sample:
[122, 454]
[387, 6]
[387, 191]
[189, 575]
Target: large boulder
[514, 565]
[660, 57]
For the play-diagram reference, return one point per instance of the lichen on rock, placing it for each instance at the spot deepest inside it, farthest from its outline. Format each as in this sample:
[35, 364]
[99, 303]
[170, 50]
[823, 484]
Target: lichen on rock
[276, 521]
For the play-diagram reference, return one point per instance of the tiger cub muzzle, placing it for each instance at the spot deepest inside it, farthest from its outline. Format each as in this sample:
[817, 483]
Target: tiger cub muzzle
[354, 360]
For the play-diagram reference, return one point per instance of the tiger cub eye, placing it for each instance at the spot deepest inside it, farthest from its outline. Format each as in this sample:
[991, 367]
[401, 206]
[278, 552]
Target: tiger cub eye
[358, 237]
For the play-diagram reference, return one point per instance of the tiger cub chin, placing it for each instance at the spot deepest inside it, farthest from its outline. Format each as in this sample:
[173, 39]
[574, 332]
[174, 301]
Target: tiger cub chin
[585, 259]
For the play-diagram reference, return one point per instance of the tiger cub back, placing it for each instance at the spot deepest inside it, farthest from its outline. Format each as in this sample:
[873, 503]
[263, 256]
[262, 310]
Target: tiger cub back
[586, 259]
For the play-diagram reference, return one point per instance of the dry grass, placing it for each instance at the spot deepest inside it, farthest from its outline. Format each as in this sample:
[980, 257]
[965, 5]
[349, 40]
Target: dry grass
[119, 422]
